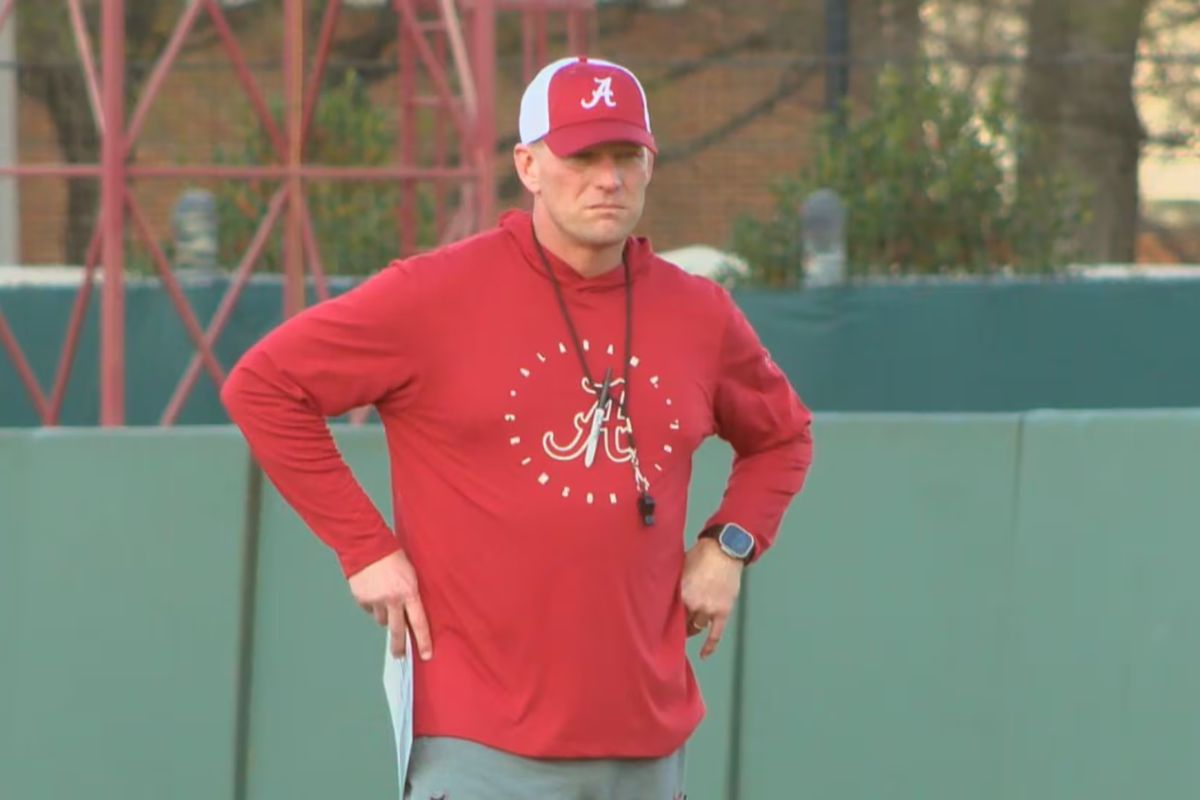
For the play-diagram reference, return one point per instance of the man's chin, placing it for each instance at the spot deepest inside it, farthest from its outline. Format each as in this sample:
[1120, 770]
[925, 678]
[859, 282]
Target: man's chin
[606, 235]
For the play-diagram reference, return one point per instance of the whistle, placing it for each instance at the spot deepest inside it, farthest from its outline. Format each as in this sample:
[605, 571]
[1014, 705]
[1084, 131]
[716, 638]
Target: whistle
[646, 507]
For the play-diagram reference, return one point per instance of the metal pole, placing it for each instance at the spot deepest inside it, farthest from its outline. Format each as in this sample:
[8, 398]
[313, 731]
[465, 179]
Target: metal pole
[528, 57]
[406, 139]
[321, 61]
[539, 36]
[8, 341]
[220, 317]
[161, 67]
[242, 70]
[484, 64]
[10, 241]
[441, 131]
[83, 45]
[112, 214]
[577, 43]
[6, 9]
[293, 65]
[837, 54]
[66, 359]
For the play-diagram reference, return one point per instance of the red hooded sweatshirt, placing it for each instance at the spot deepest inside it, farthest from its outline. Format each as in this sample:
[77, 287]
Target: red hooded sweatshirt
[555, 613]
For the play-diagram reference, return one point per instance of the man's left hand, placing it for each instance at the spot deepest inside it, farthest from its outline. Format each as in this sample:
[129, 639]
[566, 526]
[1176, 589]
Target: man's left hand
[709, 588]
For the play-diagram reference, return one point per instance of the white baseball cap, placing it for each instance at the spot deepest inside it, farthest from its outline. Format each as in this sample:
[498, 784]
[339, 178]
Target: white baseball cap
[578, 102]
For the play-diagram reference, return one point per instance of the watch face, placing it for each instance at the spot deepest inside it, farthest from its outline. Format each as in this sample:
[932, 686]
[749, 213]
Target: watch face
[737, 540]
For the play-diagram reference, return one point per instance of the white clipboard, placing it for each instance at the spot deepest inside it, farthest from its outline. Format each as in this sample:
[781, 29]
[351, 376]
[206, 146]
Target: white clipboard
[398, 686]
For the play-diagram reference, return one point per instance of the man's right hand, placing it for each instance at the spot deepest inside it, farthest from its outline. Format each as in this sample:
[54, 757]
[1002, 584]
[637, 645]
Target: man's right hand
[387, 590]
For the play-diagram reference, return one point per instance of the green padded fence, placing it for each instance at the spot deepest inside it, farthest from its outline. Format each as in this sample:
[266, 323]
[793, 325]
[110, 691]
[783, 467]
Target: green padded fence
[876, 632]
[982, 606]
[119, 668]
[970, 346]
[1104, 650]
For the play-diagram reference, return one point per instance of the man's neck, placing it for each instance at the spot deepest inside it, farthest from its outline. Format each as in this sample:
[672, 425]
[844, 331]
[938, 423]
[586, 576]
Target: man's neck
[586, 260]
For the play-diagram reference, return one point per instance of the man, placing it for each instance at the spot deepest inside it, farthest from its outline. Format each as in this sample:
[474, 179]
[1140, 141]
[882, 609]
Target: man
[542, 387]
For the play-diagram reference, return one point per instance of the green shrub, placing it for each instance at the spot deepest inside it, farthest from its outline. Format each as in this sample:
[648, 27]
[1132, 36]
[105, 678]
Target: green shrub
[927, 174]
[354, 222]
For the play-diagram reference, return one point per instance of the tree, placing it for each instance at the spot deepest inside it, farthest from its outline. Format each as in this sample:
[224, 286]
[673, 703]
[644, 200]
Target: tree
[354, 222]
[1079, 96]
[934, 202]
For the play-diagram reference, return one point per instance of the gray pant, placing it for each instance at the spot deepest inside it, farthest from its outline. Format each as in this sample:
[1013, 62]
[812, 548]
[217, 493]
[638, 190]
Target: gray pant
[443, 768]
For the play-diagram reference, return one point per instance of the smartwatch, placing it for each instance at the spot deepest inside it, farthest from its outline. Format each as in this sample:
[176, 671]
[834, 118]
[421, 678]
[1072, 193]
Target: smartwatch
[733, 539]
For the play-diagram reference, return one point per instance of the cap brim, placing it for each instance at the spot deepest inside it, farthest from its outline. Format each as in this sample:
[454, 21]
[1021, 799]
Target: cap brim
[574, 138]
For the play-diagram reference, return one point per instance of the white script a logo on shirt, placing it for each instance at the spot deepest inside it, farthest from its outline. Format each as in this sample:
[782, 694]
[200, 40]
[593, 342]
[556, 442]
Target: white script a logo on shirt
[564, 436]
[613, 434]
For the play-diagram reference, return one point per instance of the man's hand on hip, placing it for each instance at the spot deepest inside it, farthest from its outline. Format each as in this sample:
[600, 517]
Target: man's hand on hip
[387, 590]
[709, 588]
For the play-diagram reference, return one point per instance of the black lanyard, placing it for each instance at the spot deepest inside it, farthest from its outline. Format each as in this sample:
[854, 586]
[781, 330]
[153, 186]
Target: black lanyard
[646, 503]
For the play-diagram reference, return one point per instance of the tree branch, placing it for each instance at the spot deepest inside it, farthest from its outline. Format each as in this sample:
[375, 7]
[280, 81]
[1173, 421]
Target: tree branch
[792, 81]
[682, 69]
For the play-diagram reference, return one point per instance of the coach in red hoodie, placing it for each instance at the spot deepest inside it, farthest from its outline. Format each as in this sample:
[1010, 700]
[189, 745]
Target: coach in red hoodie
[542, 386]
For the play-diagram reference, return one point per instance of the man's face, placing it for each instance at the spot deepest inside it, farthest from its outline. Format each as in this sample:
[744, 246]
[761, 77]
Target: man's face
[594, 197]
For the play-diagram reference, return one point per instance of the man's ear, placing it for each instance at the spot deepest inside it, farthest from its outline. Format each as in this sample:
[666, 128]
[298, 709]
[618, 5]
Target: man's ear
[526, 163]
[649, 164]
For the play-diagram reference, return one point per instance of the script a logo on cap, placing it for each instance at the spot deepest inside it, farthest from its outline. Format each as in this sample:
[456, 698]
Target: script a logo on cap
[603, 91]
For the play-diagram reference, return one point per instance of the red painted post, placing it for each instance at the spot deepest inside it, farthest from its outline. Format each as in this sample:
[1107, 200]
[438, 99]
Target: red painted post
[406, 134]
[324, 45]
[175, 292]
[242, 70]
[440, 132]
[52, 170]
[314, 254]
[159, 74]
[112, 213]
[6, 7]
[539, 36]
[293, 81]
[66, 359]
[437, 72]
[483, 61]
[220, 317]
[9, 341]
[282, 171]
[528, 65]
[577, 34]
[83, 45]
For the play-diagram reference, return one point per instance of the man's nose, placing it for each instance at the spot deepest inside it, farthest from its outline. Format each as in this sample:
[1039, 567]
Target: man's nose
[608, 174]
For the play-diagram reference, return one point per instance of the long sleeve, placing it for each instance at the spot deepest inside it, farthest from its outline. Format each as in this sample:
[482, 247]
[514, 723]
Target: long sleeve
[350, 351]
[759, 413]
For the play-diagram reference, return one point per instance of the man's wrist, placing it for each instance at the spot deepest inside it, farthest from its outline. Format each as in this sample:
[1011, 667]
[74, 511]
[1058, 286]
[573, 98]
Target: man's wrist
[732, 540]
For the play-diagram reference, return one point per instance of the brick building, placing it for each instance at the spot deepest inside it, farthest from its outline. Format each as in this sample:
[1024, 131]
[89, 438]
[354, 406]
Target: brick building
[726, 124]
[734, 91]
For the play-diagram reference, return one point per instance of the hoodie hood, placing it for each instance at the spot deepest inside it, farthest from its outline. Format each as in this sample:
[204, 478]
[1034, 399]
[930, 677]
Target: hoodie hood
[638, 252]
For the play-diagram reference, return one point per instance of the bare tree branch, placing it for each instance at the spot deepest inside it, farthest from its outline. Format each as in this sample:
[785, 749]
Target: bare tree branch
[791, 82]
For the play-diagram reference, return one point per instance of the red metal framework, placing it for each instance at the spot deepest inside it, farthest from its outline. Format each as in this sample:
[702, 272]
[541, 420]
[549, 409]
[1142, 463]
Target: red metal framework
[446, 44]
